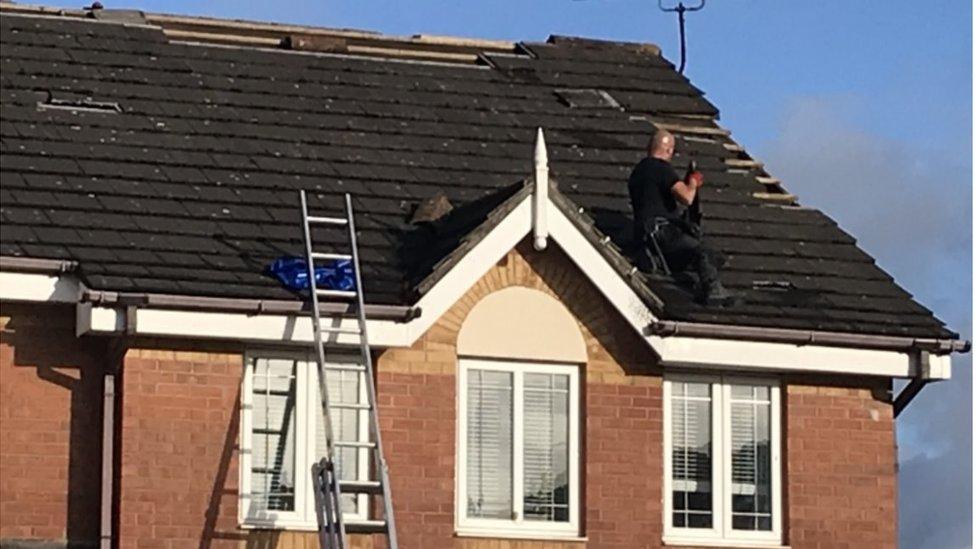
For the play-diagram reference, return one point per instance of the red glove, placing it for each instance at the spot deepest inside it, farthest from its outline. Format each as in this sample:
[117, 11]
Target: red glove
[696, 179]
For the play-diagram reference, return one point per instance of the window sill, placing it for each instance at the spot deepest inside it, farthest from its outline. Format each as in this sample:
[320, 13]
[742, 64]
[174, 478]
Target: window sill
[690, 543]
[528, 536]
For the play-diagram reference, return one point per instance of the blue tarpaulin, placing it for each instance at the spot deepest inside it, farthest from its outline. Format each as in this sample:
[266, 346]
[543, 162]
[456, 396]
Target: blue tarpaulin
[293, 273]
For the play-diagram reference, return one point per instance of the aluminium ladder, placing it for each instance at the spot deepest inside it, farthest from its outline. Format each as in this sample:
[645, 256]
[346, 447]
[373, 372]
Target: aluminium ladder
[327, 487]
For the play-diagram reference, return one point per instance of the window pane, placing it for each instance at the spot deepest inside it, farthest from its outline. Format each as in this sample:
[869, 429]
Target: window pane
[691, 455]
[489, 440]
[273, 436]
[546, 448]
[343, 388]
[751, 496]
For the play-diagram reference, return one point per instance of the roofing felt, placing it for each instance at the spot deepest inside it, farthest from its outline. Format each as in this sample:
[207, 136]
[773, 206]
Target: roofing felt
[173, 167]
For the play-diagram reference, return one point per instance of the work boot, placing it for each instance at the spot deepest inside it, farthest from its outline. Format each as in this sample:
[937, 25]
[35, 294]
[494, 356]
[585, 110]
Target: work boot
[715, 295]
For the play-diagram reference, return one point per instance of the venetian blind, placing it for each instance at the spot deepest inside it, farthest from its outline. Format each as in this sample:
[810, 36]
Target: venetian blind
[489, 444]
[344, 387]
[273, 435]
[751, 472]
[691, 455]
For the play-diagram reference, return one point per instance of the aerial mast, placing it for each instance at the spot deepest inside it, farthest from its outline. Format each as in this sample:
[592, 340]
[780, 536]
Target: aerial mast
[680, 9]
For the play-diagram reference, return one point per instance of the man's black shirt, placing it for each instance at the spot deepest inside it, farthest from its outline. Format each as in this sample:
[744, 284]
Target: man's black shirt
[650, 193]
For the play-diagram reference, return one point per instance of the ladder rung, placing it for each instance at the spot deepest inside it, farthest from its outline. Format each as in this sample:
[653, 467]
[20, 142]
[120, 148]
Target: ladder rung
[274, 392]
[333, 330]
[327, 220]
[355, 443]
[328, 257]
[335, 293]
[360, 487]
[262, 431]
[366, 527]
[345, 367]
[266, 470]
[350, 405]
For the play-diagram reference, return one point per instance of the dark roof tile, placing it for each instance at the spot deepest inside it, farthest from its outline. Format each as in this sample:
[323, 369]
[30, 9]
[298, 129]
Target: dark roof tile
[191, 188]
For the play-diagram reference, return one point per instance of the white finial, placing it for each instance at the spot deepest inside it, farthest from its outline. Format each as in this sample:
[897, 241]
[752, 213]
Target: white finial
[540, 194]
[541, 156]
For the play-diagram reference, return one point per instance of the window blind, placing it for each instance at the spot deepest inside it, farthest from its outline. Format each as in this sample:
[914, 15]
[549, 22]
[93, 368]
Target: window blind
[751, 469]
[546, 447]
[691, 456]
[489, 444]
[273, 435]
[344, 388]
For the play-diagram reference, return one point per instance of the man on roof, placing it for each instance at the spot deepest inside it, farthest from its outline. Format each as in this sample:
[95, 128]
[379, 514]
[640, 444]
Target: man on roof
[661, 202]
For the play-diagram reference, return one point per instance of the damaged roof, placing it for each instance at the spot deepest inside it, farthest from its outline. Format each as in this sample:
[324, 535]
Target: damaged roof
[164, 154]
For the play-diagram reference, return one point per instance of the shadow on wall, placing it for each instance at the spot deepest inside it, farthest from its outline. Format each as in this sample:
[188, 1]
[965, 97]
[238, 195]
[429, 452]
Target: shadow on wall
[219, 491]
[43, 339]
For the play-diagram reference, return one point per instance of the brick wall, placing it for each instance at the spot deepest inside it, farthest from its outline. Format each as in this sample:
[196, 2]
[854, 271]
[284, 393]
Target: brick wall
[841, 464]
[179, 430]
[50, 427]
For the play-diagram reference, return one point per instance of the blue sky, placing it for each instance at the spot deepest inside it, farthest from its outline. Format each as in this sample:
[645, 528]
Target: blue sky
[864, 109]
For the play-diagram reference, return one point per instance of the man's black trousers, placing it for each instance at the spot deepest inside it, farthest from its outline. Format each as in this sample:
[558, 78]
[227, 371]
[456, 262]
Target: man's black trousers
[684, 252]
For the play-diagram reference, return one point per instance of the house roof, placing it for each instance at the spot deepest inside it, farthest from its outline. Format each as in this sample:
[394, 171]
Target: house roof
[164, 154]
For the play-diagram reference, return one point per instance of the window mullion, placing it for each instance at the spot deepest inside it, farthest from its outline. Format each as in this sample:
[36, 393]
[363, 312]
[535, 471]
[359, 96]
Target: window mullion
[775, 444]
[518, 457]
[722, 462]
[574, 442]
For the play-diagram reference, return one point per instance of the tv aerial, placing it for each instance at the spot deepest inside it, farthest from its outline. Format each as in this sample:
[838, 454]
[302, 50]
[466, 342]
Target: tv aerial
[680, 9]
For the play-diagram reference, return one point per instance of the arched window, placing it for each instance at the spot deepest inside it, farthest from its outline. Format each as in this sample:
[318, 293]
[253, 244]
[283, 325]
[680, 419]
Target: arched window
[519, 389]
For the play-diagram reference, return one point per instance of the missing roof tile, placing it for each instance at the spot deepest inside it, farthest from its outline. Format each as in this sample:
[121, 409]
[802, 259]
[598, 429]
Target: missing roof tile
[75, 103]
[587, 99]
[773, 285]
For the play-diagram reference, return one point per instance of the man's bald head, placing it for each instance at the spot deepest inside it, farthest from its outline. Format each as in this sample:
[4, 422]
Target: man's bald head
[661, 145]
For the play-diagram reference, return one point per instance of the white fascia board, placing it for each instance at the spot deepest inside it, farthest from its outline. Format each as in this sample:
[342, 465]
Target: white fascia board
[603, 276]
[939, 367]
[704, 353]
[35, 287]
[259, 328]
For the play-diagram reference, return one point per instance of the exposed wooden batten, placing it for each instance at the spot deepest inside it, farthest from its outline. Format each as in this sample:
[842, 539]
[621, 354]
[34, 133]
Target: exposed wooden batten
[476, 43]
[413, 54]
[743, 163]
[778, 197]
[221, 38]
[302, 38]
[768, 180]
[692, 130]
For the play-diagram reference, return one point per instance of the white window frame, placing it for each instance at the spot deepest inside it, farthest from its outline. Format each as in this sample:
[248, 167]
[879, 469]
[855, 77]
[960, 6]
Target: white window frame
[303, 516]
[722, 533]
[518, 527]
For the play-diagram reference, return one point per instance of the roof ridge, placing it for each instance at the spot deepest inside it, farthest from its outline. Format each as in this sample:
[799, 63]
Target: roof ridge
[641, 47]
[247, 33]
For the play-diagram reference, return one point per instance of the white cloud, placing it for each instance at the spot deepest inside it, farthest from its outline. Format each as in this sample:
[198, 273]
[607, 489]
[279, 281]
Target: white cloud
[909, 204]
